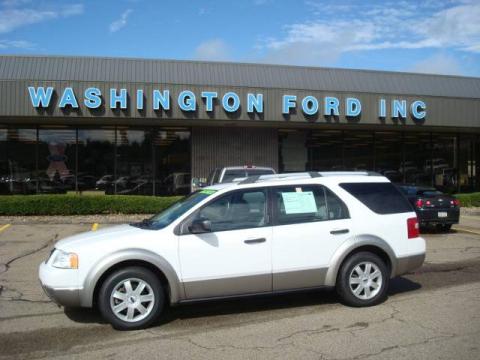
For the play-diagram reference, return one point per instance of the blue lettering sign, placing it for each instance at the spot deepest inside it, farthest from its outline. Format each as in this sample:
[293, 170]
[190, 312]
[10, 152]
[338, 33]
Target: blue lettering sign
[399, 109]
[353, 107]
[161, 99]
[230, 102]
[418, 110]
[118, 98]
[209, 96]
[139, 99]
[289, 101]
[310, 105]
[382, 108]
[255, 101]
[68, 98]
[331, 106]
[40, 97]
[186, 101]
[92, 98]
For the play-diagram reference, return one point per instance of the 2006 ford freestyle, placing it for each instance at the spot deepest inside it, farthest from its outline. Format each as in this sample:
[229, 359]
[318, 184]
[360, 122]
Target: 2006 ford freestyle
[264, 234]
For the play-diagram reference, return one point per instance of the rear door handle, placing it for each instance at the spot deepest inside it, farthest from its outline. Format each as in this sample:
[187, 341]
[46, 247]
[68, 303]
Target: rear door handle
[339, 231]
[255, 241]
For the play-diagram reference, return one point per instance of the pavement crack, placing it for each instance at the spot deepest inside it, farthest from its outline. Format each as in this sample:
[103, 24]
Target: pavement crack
[4, 267]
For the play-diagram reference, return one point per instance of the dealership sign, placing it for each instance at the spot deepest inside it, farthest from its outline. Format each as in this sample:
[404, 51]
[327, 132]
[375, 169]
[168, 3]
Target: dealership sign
[41, 97]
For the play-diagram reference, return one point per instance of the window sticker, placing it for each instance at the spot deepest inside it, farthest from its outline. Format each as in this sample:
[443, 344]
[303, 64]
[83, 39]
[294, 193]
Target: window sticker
[299, 202]
[208, 191]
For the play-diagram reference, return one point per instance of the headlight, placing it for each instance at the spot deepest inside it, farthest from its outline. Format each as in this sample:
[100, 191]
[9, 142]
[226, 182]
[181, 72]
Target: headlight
[64, 260]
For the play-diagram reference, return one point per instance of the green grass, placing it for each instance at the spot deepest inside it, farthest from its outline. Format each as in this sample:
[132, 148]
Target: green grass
[468, 200]
[69, 204]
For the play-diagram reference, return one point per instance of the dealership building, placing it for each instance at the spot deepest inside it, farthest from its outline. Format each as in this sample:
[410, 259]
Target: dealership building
[137, 126]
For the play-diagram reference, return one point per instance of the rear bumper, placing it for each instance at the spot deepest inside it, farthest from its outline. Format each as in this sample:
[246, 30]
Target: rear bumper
[409, 263]
[430, 216]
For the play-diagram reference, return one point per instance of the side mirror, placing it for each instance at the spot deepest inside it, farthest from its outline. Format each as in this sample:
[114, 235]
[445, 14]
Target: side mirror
[200, 226]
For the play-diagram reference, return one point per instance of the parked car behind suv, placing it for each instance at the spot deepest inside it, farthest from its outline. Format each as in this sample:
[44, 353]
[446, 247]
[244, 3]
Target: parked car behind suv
[432, 206]
[263, 235]
[230, 173]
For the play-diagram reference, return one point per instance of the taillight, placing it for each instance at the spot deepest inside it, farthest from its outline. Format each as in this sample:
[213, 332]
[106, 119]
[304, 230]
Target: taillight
[428, 203]
[419, 203]
[413, 228]
[455, 202]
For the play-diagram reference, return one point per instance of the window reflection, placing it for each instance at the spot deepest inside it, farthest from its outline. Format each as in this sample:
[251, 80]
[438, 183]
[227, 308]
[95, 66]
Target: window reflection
[17, 164]
[96, 149]
[358, 150]
[388, 155]
[325, 150]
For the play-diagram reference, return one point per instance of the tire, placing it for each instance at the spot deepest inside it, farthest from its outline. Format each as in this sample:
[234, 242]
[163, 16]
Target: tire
[350, 279]
[132, 313]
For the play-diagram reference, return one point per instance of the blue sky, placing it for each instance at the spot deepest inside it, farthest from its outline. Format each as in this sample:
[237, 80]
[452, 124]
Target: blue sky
[420, 36]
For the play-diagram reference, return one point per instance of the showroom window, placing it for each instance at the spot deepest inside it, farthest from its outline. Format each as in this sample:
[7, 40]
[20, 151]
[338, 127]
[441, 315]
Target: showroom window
[56, 160]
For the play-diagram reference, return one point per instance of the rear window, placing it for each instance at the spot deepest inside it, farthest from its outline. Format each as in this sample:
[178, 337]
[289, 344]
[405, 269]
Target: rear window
[254, 172]
[382, 198]
[231, 175]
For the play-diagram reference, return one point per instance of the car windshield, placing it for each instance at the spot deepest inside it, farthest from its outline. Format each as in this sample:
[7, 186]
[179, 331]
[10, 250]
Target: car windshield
[173, 212]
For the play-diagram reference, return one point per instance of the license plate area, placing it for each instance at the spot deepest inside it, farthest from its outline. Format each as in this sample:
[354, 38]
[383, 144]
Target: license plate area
[442, 214]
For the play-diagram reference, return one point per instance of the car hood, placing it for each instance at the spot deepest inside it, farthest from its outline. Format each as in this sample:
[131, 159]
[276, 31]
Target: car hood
[88, 238]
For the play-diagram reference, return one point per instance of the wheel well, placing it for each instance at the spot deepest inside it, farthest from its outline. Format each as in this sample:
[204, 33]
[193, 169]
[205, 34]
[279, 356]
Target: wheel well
[123, 264]
[374, 250]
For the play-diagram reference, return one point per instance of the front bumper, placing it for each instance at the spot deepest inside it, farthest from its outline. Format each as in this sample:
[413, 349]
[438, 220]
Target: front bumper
[63, 297]
[60, 285]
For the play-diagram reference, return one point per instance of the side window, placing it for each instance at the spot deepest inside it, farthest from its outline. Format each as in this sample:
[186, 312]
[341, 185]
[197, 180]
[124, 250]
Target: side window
[336, 207]
[299, 204]
[237, 210]
[307, 203]
[231, 175]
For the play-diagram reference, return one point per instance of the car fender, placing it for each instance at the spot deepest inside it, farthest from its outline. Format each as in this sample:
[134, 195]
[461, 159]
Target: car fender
[350, 245]
[95, 273]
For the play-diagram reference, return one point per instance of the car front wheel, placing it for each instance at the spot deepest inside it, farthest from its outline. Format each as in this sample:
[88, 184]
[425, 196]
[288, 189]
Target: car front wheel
[131, 298]
[362, 280]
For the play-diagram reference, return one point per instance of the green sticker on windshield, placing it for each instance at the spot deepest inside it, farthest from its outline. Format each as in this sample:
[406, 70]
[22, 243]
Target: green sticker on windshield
[208, 191]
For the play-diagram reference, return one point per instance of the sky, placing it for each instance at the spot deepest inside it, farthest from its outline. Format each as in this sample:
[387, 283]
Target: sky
[430, 36]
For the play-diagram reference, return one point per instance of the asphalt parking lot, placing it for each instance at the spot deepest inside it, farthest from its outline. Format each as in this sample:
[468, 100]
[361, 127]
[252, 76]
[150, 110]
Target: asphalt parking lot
[433, 313]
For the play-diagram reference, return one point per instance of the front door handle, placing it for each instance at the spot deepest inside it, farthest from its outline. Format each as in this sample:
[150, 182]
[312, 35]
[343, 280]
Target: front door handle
[339, 231]
[255, 241]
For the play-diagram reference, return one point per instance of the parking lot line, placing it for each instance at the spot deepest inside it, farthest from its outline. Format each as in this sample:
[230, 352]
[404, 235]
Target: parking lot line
[94, 226]
[4, 227]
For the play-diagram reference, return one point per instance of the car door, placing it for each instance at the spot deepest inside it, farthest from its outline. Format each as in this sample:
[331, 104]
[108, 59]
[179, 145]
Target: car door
[235, 256]
[310, 223]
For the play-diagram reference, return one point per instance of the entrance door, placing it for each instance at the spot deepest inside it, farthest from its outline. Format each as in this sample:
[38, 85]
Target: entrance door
[310, 223]
[235, 257]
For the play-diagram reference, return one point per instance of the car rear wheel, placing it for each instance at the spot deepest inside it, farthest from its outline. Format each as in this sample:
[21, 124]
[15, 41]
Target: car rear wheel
[362, 280]
[131, 298]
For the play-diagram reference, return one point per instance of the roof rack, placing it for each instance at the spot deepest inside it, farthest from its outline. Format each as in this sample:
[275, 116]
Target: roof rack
[304, 175]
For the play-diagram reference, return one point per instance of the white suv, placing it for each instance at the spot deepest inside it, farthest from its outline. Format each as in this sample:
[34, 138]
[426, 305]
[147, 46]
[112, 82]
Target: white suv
[266, 234]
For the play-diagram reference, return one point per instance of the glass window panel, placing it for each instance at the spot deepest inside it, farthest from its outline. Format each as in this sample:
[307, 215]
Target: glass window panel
[466, 163]
[172, 161]
[18, 161]
[96, 154]
[56, 160]
[325, 150]
[358, 150]
[388, 155]
[416, 168]
[443, 165]
[293, 155]
[134, 163]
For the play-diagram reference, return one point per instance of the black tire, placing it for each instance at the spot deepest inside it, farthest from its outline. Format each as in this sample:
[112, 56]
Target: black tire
[137, 275]
[346, 290]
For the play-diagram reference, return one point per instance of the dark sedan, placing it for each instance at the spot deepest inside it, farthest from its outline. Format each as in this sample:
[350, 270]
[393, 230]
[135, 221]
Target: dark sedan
[432, 206]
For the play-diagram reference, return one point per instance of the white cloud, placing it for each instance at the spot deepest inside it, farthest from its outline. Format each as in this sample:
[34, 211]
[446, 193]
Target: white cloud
[12, 18]
[17, 44]
[215, 49]
[438, 64]
[364, 27]
[120, 23]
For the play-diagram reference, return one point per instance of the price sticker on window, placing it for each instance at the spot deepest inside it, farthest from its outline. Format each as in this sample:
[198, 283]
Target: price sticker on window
[299, 202]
